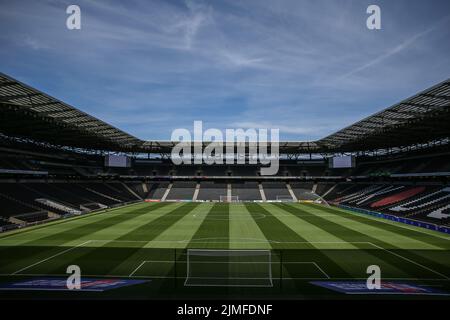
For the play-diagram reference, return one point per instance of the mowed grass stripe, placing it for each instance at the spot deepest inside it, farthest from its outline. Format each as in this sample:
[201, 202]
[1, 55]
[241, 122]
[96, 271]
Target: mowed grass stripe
[158, 259]
[354, 257]
[117, 252]
[396, 240]
[274, 229]
[38, 249]
[74, 231]
[20, 236]
[406, 232]
[214, 232]
[244, 232]
[164, 246]
[151, 230]
[181, 232]
[426, 250]
[350, 235]
[127, 226]
[318, 237]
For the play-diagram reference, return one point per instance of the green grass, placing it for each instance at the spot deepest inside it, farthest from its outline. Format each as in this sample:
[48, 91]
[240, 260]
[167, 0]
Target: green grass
[151, 240]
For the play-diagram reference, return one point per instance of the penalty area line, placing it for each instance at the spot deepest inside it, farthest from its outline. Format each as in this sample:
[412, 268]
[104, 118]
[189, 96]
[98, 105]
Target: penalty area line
[135, 270]
[411, 261]
[183, 277]
[51, 257]
[309, 262]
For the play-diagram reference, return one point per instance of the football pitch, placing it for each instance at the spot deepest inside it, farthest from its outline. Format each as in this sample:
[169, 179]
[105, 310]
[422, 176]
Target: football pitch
[204, 249]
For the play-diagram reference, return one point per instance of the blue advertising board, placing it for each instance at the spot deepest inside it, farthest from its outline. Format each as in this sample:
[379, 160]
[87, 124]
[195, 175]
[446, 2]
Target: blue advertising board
[360, 287]
[416, 223]
[60, 284]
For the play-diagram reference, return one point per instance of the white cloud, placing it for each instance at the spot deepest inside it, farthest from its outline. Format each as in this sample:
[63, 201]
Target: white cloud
[167, 63]
[34, 43]
[392, 51]
[237, 60]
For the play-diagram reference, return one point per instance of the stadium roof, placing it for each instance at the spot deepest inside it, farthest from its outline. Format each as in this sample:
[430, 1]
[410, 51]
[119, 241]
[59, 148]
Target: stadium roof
[419, 119]
[28, 113]
[292, 147]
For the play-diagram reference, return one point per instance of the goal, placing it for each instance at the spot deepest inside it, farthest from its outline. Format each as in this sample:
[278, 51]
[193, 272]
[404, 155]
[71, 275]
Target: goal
[285, 199]
[229, 199]
[229, 268]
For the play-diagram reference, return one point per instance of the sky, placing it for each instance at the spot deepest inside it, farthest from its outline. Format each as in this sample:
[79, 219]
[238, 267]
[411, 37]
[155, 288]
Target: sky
[308, 68]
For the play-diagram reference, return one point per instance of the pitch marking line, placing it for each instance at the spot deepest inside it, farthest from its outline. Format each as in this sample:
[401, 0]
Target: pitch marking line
[140, 241]
[409, 260]
[237, 262]
[313, 263]
[51, 257]
[237, 240]
[165, 277]
[289, 242]
[391, 223]
[138, 267]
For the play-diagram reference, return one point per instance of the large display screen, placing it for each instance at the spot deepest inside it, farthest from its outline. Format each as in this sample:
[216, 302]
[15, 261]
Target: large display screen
[121, 161]
[342, 162]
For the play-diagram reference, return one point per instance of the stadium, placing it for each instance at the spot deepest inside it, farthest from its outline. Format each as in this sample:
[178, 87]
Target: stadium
[378, 196]
[348, 200]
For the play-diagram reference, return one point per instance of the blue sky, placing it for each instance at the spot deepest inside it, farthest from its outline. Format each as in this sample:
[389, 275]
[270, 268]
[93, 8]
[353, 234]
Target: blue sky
[308, 68]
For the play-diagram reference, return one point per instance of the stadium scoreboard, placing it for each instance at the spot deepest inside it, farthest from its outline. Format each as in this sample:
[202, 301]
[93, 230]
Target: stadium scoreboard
[342, 162]
[120, 161]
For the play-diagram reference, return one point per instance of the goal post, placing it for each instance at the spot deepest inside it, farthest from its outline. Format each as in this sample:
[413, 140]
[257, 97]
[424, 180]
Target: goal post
[284, 198]
[229, 199]
[229, 268]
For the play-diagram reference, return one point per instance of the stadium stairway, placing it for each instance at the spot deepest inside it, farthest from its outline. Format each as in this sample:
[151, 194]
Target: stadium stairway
[291, 192]
[229, 191]
[261, 191]
[166, 193]
[137, 188]
[302, 192]
[144, 188]
[131, 191]
[103, 195]
[212, 191]
[157, 190]
[196, 191]
[275, 190]
[328, 191]
[181, 190]
[246, 191]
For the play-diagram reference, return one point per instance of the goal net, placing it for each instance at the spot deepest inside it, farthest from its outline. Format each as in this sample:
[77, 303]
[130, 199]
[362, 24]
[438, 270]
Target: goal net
[285, 199]
[229, 199]
[229, 268]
